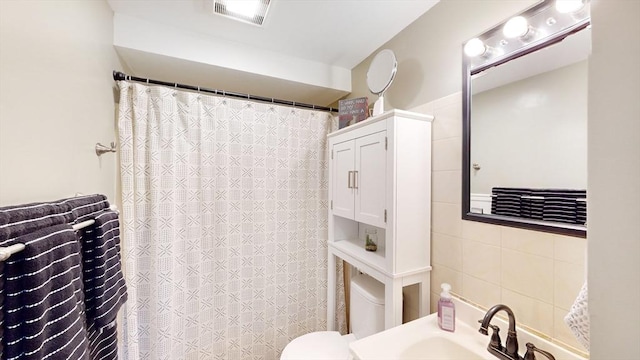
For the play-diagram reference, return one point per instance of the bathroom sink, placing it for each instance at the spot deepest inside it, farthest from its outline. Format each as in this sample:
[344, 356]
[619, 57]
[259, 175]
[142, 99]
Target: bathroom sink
[422, 339]
[437, 348]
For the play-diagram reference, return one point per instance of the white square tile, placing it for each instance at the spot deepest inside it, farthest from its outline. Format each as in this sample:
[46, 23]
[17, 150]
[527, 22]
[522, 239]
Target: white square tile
[446, 186]
[481, 261]
[447, 154]
[481, 232]
[533, 313]
[530, 242]
[568, 280]
[448, 121]
[442, 274]
[447, 250]
[481, 292]
[527, 274]
[570, 249]
[446, 218]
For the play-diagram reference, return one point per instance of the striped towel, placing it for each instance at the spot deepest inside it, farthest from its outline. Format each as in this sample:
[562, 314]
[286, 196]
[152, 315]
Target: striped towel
[557, 205]
[17, 221]
[507, 201]
[43, 303]
[561, 205]
[20, 220]
[32, 219]
[23, 219]
[105, 289]
[87, 207]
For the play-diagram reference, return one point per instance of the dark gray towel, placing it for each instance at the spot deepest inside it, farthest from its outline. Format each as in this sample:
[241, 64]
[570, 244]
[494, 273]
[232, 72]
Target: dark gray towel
[17, 221]
[87, 207]
[43, 298]
[22, 219]
[105, 289]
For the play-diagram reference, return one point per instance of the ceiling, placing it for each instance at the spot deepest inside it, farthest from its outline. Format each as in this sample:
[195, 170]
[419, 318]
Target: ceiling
[304, 51]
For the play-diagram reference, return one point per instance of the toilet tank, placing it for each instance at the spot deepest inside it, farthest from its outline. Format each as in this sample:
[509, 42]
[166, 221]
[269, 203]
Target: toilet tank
[367, 306]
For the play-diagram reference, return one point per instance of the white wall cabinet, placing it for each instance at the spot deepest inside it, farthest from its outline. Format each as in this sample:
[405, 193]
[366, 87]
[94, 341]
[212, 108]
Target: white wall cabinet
[380, 180]
[359, 179]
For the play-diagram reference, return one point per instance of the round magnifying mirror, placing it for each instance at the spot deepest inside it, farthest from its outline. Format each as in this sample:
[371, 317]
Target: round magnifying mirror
[381, 73]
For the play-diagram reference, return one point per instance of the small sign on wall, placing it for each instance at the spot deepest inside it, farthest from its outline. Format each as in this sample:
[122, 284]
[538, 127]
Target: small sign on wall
[351, 111]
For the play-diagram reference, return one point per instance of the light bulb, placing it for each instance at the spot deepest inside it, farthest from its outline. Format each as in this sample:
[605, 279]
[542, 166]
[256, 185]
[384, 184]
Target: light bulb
[474, 47]
[246, 8]
[516, 27]
[569, 6]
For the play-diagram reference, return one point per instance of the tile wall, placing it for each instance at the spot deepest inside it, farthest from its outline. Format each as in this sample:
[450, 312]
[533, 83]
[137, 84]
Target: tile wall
[537, 274]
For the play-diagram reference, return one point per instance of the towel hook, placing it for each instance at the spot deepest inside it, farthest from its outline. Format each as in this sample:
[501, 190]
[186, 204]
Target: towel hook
[101, 149]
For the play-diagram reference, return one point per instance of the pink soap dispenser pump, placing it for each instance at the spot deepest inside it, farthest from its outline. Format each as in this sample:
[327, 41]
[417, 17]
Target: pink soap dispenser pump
[446, 310]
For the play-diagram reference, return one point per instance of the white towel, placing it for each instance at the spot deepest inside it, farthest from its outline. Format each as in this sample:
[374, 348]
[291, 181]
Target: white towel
[578, 318]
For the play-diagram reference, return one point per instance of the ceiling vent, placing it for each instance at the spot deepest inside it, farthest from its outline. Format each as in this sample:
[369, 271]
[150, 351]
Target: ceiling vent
[250, 11]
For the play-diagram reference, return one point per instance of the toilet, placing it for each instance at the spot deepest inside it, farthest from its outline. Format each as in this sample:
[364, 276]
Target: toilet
[367, 318]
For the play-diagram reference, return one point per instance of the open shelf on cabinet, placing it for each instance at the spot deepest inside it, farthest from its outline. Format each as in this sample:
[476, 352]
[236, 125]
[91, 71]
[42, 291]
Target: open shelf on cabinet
[355, 248]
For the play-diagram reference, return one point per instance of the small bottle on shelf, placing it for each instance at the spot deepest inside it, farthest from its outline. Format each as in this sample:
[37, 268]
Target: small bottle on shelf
[371, 240]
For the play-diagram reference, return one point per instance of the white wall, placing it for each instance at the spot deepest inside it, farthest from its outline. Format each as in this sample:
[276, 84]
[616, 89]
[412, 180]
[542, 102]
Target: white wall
[429, 51]
[56, 99]
[551, 107]
[614, 180]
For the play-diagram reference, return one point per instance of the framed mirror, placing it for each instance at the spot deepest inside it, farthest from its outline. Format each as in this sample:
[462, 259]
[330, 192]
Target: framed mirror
[525, 120]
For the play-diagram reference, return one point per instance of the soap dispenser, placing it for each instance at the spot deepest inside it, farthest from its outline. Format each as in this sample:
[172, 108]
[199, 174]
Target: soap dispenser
[446, 310]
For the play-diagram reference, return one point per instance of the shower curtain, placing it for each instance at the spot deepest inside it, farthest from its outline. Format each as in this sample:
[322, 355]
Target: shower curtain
[224, 217]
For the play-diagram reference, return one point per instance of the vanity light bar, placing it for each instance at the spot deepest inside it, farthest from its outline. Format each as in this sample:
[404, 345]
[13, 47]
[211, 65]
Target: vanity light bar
[521, 33]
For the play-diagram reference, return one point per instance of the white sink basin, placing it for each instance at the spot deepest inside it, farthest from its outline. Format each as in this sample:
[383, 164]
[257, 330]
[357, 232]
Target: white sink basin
[422, 339]
[436, 348]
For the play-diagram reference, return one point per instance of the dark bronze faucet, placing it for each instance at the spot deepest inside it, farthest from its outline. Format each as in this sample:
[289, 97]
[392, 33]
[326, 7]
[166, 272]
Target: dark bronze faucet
[510, 350]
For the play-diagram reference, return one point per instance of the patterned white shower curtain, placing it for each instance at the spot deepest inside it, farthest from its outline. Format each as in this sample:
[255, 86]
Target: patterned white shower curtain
[224, 216]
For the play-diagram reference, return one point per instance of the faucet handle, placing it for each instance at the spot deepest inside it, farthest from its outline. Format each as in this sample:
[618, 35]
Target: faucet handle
[495, 342]
[483, 330]
[529, 355]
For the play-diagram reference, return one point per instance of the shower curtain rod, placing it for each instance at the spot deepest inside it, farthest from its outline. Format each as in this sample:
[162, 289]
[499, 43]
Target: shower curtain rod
[117, 75]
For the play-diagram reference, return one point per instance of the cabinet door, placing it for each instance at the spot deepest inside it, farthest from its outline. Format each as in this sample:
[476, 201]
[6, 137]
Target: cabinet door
[370, 179]
[342, 179]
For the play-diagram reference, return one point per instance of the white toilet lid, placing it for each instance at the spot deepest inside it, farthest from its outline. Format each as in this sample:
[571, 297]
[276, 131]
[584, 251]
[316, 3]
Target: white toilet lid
[319, 345]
